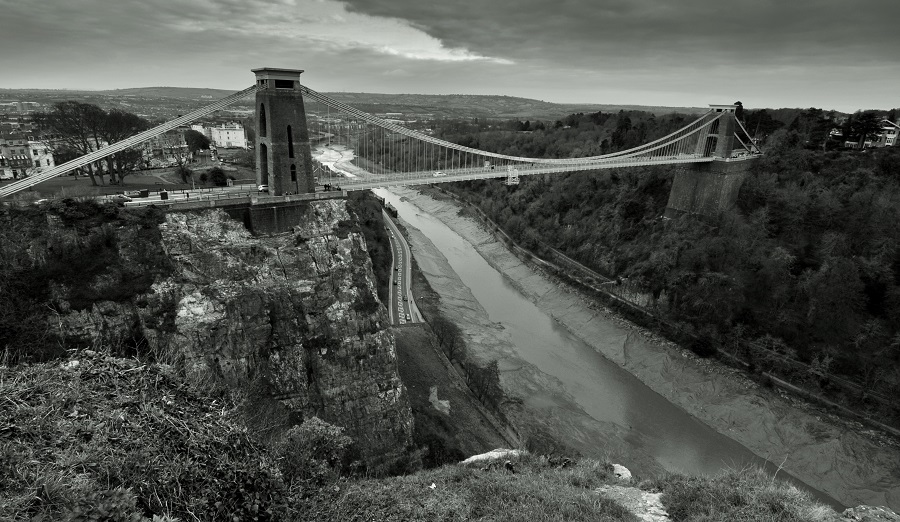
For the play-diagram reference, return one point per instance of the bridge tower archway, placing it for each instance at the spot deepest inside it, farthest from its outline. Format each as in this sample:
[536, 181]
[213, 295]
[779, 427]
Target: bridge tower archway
[284, 157]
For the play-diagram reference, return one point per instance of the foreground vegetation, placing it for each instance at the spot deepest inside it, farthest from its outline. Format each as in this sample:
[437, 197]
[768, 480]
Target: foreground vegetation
[97, 437]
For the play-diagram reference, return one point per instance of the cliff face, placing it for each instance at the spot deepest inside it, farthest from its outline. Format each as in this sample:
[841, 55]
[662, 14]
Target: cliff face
[293, 317]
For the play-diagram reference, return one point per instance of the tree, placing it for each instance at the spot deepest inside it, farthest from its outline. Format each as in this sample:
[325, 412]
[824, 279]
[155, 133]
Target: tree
[83, 128]
[78, 125]
[117, 126]
[196, 141]
[865, 126]
[217, 176]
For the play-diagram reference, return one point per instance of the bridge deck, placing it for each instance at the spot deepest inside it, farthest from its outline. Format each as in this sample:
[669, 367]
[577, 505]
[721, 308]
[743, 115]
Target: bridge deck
[468, 174]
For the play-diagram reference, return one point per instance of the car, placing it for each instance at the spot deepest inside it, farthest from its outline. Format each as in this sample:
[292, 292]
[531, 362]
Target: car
[395, 282]
[408, 318]
[405, 298]
[119, 199]
[262, 188]
[438, 173]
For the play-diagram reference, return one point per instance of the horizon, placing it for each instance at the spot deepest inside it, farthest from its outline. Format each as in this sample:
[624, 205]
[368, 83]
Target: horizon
[582, 103]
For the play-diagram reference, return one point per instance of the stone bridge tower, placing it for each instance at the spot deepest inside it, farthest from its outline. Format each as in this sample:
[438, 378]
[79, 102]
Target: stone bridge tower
[283, 156]
[710, 188]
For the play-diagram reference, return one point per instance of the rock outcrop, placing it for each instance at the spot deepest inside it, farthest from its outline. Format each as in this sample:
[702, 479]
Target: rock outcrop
[294, 318]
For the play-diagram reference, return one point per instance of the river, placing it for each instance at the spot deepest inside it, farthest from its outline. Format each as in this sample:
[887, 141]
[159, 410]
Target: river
[651, 424]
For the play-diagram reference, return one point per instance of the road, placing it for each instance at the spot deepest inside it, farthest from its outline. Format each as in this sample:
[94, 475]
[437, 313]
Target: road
[191, 195]
[401, 306]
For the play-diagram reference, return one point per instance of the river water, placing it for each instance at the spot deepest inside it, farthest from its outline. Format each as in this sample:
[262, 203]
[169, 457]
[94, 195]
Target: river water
[675, 439]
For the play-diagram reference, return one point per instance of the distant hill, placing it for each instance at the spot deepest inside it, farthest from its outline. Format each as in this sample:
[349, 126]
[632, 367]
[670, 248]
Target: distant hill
[450, 105]
[183, 93]
[438, 105]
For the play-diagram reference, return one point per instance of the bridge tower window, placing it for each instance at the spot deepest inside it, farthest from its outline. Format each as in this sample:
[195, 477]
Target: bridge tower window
[290, 140]
[262, 120]
[293, 172]
[264, 164]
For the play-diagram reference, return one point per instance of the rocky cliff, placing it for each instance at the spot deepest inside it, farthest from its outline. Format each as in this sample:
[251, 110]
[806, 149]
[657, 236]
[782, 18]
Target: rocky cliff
[293, 319]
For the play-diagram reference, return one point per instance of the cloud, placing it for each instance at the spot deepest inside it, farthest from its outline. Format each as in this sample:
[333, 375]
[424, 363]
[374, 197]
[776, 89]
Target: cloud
[800, 53]
[652, 33]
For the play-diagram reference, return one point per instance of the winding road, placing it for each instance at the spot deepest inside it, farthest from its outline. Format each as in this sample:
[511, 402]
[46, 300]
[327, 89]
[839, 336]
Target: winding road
[401, 305]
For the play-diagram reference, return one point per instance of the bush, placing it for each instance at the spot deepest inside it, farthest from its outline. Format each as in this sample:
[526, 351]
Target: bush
[218, 177]
[315, 452]
[204, 178]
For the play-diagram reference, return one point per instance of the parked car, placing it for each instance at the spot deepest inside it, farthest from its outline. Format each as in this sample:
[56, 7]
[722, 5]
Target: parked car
[119, 199]
[262, 188]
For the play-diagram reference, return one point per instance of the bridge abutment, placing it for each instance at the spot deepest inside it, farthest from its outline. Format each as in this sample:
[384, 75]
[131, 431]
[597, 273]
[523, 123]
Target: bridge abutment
[710, 188]
[283, 155]
[706, 188]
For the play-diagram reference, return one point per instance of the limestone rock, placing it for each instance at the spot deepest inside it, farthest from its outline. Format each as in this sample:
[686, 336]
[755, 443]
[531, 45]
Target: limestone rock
[622, 473]
[293, 317]
[439, 405]
[491, 456]
[870, 514]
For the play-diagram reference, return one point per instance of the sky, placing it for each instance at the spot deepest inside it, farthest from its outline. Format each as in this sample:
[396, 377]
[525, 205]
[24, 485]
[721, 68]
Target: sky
[842, 55]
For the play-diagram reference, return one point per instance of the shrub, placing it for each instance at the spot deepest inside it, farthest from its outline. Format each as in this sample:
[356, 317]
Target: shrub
[218, 177]
[314, 452]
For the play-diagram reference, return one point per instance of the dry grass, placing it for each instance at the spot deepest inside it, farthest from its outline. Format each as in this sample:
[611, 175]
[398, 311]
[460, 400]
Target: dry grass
[748, 495]
[129, 438]
[538, 490]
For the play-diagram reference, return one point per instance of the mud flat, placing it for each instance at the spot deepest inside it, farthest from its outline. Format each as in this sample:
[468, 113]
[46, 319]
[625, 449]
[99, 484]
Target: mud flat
[839, 458]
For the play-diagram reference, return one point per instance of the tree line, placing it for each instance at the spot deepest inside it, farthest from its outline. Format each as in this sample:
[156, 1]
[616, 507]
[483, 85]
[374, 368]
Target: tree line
[74, 129]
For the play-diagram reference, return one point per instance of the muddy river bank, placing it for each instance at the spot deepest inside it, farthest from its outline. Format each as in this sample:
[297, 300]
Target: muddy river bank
[563, 356]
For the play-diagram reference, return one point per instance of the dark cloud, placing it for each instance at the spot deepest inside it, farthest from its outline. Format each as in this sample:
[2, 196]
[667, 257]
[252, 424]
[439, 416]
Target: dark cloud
[674, 52]
[648, 33]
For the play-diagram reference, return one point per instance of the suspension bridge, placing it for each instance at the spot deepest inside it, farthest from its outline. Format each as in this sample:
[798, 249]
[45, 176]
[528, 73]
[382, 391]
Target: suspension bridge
[292, 118]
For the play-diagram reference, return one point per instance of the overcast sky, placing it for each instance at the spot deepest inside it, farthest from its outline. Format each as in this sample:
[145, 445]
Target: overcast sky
[767, 53]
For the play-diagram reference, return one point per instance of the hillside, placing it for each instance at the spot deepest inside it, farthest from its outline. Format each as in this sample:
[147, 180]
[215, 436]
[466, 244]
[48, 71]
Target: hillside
[436, 105]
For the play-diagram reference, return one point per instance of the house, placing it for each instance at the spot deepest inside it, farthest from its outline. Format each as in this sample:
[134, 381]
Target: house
[15, 156]
[889, 136]
[228, 135]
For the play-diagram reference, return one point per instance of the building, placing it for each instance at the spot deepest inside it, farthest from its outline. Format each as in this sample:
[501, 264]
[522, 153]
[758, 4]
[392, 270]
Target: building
[15, 157]
[229, 135]
[889, 135]
[40, 155]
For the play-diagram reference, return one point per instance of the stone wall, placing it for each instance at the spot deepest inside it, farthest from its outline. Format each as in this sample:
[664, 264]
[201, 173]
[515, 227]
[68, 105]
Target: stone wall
[706, 188]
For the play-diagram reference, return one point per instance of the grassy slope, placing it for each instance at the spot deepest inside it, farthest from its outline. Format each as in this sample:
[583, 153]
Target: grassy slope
[540, 489]
[103, 433]
[450, 438]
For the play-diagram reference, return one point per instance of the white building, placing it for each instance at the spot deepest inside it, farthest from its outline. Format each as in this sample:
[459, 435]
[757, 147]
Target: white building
[228, 135]
[40, 156]
[889, 135]
[202, 130]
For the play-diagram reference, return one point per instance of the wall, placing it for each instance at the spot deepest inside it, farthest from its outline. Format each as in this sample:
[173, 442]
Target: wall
[706, 188]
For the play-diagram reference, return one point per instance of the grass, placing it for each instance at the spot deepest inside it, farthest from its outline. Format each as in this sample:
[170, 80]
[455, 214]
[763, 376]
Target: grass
[448, 438]
[747, 495]
[131, 439]
[99, 436]
[537, 491]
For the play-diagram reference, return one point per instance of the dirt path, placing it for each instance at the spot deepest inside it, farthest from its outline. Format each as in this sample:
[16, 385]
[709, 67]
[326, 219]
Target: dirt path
[838, 457]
